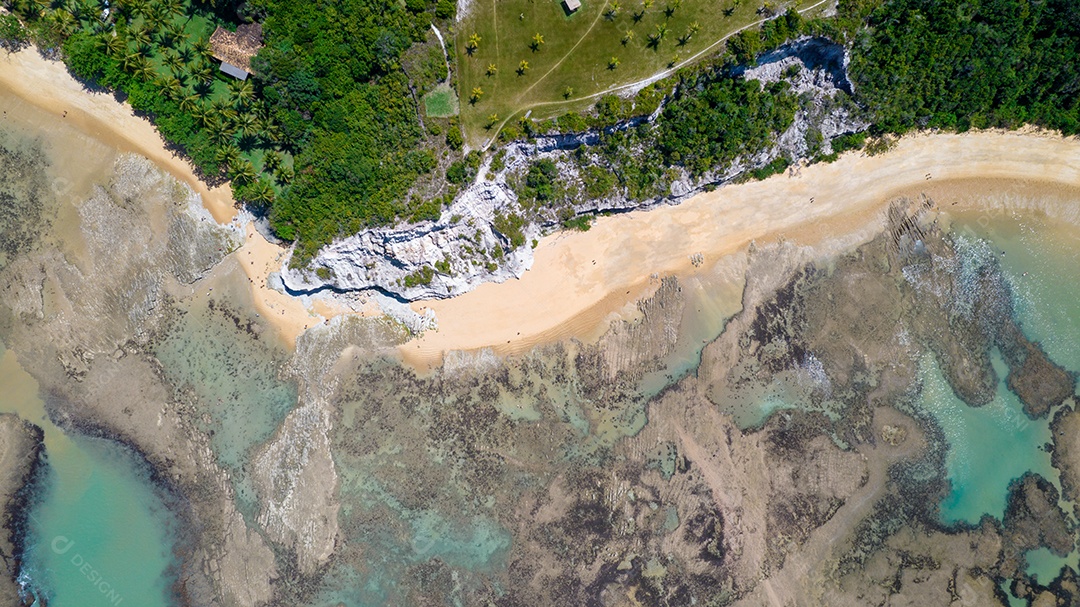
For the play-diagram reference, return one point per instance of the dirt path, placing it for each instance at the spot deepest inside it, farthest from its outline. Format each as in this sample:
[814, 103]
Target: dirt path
[632, 85]
[568, 53]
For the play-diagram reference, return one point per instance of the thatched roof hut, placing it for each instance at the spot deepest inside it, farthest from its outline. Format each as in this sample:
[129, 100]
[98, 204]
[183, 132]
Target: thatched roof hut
[237, 48]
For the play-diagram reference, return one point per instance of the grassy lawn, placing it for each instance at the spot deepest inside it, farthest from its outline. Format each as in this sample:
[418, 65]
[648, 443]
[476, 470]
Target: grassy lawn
[441, 102]
[583, 54]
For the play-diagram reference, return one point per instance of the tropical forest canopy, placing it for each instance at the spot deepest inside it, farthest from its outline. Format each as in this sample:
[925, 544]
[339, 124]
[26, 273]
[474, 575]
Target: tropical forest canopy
[328, 135]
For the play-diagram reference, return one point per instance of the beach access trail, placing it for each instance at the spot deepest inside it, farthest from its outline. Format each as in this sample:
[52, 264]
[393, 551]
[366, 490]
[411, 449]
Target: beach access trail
[581, 279]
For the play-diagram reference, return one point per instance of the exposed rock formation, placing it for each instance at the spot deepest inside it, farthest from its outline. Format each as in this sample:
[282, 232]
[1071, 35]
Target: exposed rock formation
[85, 322]
[465, 248]
[295, 475]
[20, 449]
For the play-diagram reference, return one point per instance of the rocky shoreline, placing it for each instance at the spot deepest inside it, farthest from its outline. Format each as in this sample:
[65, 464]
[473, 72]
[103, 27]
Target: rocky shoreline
[468, 244]
[21, 463]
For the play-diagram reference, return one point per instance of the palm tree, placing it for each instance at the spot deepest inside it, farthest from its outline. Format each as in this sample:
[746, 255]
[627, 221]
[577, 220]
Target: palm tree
[672, 6]
[144, 69]
[656, 37]
[219, 129]
[201, 113]
[491, 121]
[477, 93]
[613, 63]
[185, 53]
[227, 154]
[612, 11]
[537, 41]
[491, 69]
[172, 34]
[473, 43]
[189, 102]
[627, 37]
[522, 67]
[204, 74]
[201, 46]
[130, 61]
[242, 91]
[27, 10]
[140, 35]
[568, 92]
[272, 160]
[136, 7]
[261, 193]
[172, 60]
[242, 171]
[79, 10]
[114, 45]
[284, 175]
[268, 129]
[64, 22]
[173, 88]
[247, 124]
[173, 7]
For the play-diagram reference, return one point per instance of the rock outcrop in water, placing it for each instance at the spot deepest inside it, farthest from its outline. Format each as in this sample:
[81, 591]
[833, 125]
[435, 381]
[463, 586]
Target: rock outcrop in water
[85, 323]
[21, 447]
[465, 247]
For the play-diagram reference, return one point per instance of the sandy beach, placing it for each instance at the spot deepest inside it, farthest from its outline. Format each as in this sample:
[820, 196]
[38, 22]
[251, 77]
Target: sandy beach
[579, 279]
[48, 85]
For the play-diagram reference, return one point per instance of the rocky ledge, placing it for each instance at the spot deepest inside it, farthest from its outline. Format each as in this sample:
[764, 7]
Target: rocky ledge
[20, 448]
[479, 237]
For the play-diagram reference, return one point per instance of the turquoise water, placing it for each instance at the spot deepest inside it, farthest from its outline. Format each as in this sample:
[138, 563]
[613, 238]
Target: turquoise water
[234, 378]
[989, 446]
[1046, 565]
[1042, 262]
[100, 534]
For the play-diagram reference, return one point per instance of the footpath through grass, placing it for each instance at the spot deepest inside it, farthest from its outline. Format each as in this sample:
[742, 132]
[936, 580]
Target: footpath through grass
[506, 69]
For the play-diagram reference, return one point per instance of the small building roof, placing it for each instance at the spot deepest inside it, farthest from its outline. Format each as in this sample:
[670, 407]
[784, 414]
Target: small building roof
[237, 48]
[234, 71]
[572, 5]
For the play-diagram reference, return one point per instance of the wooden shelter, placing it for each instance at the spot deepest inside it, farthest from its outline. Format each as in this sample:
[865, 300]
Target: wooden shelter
[235, 49]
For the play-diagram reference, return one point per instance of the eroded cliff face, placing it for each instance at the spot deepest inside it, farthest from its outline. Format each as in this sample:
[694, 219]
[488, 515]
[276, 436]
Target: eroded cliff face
[557, 476]
[467, 247]
[552, 478]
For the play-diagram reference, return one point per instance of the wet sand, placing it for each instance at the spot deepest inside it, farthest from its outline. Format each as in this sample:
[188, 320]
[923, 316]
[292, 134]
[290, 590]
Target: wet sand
[48, 85]
[579, 280]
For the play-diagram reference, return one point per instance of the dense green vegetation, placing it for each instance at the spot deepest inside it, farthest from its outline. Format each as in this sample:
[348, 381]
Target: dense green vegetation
[958, 64]
[722, 120]
[326, 135]
[158, 54]
[349, 121]
[331, 75]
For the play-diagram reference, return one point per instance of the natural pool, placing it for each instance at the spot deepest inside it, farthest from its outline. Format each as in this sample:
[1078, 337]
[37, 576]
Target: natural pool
[100, 534]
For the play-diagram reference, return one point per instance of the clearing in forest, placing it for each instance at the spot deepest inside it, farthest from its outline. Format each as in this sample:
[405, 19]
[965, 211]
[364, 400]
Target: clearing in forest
[441, 102]
[520, 55]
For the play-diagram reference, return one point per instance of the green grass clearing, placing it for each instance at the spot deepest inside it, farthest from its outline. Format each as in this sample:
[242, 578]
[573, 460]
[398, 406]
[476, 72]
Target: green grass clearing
[584, 54]
[441, 102]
